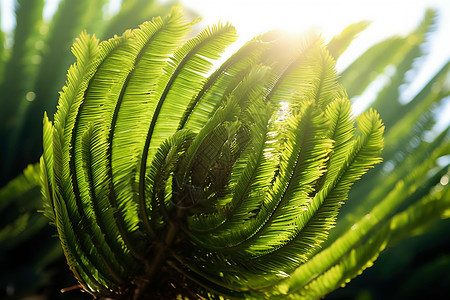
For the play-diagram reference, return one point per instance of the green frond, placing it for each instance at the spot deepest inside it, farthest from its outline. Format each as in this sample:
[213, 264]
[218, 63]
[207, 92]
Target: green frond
[158, 178]
[64, 224]
[97, 109]
[316, 216]
[235, 133]
[86, 51]
[426, 152]
[155, 42]
[279, 253]
[112, 95]
[91, 214]
[22, 184]
[340, 42]
[272, 213]
[182, 79]
[364, 254]
[46, 165]
[417, 113]
[295, 78]
[350, 266]
[389, 52]
[221, 83]
[301, 165]
[376, 59]
[221, 116]
[419, 215]
[174, 92]
[251, 177]
[325, 259]
[325, 87]
[246, 91]
[95, 171]
[78, 262]
[341, 131]
[158, 170]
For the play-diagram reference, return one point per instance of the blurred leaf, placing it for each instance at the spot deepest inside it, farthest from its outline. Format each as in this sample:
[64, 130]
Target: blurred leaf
[340, 43]
[16, 90]
[134, 12]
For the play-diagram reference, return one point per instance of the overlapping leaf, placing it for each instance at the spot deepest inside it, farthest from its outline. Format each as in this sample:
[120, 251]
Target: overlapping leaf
[232, 180]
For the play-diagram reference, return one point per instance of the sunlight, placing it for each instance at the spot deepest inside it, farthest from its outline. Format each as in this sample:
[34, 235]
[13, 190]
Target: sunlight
[329, 18]
[325, 16]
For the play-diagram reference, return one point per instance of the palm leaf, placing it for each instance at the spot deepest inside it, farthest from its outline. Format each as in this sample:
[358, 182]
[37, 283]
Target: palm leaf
[47, 181]
[340, 42]
[67, 203]
[221, 82]
[132, 13]
[388, 52]
[158, 176]
[19, 71]
[327, 257]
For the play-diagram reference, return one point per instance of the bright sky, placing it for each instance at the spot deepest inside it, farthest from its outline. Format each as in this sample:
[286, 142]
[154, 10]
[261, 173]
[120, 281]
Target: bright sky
[330, 17]
[251, 17]
[388, 17]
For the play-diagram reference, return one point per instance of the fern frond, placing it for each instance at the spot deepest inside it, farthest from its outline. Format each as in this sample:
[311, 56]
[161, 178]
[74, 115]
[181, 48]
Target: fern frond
[229, 183]
[419, 215]
[322, 261]
[71, 98]
[46, 162]
[340, 42]
[190, 61]
[64, 224]
[295, 77]
[93, 208]
[221, 83]
[232, 209]
[19, 186]
[174, 92]
[250, 180]
[153, 44]
[350, 265]
[301, 165]
[325, 87]
[163, 166]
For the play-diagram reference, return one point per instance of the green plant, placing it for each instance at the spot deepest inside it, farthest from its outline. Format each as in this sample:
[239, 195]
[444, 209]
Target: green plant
[416, 155]
[32, 70]
[34, 58]
[225, 185]
[410, 196]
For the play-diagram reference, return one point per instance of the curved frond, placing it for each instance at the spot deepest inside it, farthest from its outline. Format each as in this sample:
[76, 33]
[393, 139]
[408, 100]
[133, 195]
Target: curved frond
[340, 42]
[159, 171]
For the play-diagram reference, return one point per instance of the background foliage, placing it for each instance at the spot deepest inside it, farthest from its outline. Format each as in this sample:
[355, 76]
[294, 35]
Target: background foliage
[33, 70]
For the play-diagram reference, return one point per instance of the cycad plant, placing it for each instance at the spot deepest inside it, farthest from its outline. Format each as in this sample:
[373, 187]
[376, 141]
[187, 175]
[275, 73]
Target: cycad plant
[34, 58]
[32, 69]
[163, 180]
[416, 156]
